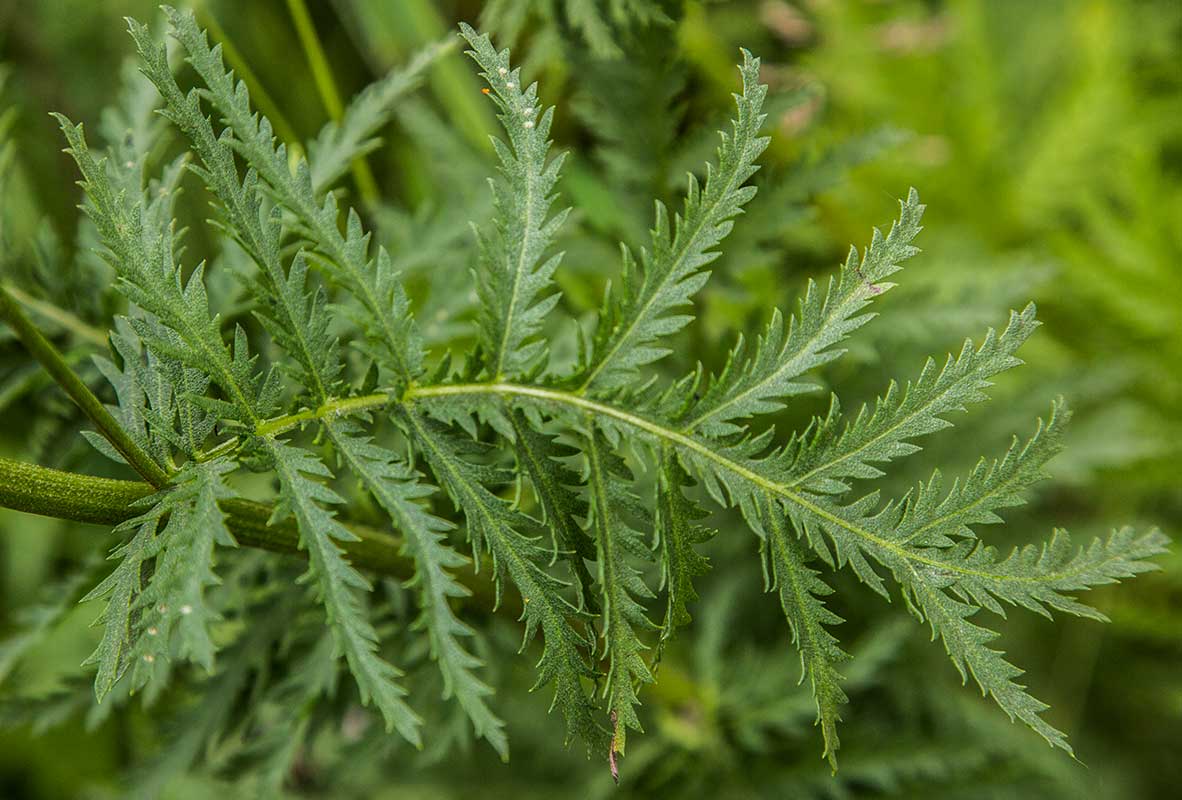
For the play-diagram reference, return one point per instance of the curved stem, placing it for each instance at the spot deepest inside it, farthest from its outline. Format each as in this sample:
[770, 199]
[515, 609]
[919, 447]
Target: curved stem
[890, 548]
[55, 364]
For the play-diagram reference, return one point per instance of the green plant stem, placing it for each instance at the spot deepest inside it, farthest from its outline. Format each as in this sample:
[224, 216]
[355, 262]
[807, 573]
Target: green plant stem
[558, 397]
[337, 407]
[55, 364]
[84, 498]
[317, 61]
[326, 86]
[53, 493]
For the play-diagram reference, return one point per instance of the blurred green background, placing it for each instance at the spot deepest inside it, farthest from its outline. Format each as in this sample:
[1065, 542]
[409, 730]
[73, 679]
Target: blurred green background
[1045, 137]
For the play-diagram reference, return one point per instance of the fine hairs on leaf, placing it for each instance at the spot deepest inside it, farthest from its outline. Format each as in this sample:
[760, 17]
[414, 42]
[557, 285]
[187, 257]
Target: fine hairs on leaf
[577, 487]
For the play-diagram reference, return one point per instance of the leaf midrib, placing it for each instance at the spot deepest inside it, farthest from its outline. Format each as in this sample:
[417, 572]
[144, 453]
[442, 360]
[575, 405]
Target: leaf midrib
[527, 237]
[681, 440]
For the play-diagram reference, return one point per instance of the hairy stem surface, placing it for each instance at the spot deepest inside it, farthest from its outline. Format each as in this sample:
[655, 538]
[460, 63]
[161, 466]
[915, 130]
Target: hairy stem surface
[84, 498]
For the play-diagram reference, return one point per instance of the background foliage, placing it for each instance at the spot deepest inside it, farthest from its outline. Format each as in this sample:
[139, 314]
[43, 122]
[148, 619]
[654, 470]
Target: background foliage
[1046, 140]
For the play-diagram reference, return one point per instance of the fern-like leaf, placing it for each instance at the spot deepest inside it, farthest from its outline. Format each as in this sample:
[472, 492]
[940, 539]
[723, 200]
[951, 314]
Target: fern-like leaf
[539, 457]
[156, 597]
[758, 382]
[492, 525]
[617, 543]
[297, 322]
[1037, 577]
[865, 531]
[641, 310]
[304, 497]
[678, 531]
[935, 519]
[173, 606]
[800, 588]
[516, 286]
[133, 387]
[968, 647]
[1030, 577]
[120, 588]
[157, 395]
[822, 462]
[178, 379]
[151, 278]
[390, 333]
[396, 488]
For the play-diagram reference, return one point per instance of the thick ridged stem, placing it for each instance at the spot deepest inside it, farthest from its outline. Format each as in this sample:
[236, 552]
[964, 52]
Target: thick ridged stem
[53, 493]
[85, 498]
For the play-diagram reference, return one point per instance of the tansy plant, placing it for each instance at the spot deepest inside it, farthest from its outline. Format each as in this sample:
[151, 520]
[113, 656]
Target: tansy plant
[505, 460]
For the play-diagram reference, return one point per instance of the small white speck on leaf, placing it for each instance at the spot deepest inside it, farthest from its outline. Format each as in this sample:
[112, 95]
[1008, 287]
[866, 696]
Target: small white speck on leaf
[186, 610]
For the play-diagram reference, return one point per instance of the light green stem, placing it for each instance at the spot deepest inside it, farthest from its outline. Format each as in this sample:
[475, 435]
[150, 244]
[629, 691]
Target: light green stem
[687, 443]
[339, 407]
